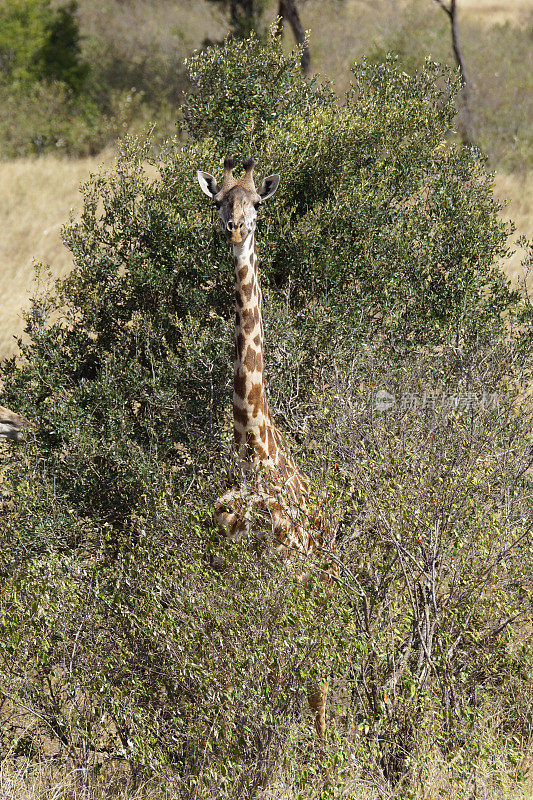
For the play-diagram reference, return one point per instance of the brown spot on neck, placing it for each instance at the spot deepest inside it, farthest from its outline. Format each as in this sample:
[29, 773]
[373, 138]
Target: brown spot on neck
[240, 415]
[239, 345]
[253, 360]
[239, 383]
[248, 320]
[255, 398]
[247, 290]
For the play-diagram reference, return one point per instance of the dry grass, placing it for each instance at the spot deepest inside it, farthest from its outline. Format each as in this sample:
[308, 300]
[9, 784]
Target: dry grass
[342, 33]
[51, 780]
[37, 196]
[497, 12]
[138, 22]
[516, 191]
[22, 779]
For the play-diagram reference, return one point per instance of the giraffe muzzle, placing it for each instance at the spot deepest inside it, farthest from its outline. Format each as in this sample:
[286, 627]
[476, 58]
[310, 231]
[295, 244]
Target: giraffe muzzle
[235, 232]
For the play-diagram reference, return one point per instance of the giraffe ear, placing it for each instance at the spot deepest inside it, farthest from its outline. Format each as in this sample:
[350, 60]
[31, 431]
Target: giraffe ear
[208, 184]
[268, 187]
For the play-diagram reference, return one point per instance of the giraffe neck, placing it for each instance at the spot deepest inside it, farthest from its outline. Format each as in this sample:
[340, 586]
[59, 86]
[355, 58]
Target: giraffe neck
[250, 409]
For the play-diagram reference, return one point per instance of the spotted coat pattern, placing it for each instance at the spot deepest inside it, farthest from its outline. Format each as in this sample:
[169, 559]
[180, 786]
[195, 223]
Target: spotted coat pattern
[275, 489]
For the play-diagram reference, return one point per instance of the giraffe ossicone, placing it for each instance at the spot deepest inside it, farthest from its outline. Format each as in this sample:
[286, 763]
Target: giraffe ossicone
[271, 495]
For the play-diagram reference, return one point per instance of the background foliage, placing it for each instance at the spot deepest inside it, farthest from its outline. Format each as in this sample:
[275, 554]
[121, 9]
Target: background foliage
[138, 47]
[41, 43]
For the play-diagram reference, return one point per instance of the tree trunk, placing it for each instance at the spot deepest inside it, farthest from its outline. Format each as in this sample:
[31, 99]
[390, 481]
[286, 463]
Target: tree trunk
[466, 115]
[288, 12]
[465, 110]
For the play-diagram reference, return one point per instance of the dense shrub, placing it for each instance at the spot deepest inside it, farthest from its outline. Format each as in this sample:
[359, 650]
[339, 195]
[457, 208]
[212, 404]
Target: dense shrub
[376, 203]
[158, 660]
[142, 651]
[438, 537]
[60, 57]
[381, 229]
[42, 77]
[38, 42]
[23, 32]
[43, 117]
[379, 263]
[46, 117]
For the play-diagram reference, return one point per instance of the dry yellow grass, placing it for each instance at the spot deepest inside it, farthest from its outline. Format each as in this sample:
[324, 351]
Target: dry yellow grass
[342, 32]
[131, 25]
[497, 12]
[491, 12]
[21, 779]
[516, 191]
[37, 196]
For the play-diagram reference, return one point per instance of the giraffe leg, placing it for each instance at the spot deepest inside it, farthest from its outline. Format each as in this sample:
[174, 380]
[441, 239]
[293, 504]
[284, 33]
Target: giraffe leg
[316, 697]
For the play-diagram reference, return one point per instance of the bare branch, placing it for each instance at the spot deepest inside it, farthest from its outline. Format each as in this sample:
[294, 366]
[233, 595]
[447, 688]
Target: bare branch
[443, 5]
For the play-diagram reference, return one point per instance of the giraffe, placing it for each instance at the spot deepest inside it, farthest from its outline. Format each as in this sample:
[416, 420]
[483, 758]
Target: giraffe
[11, 425]
[277, 494]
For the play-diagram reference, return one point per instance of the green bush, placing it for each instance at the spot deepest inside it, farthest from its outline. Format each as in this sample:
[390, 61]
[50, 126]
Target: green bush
[187, 656]
[380, 249]
[42, 78]
[45, 117]
[59, 58]
[38, 42]
[439, 563]
[23, 31]
[56, 98]
[144, 654]
[381, 229]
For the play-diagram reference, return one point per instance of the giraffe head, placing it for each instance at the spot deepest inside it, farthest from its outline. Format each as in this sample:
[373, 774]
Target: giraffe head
[237, 201]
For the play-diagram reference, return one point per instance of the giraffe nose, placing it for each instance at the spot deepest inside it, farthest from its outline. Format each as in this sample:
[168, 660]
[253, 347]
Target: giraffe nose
[232, 227]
